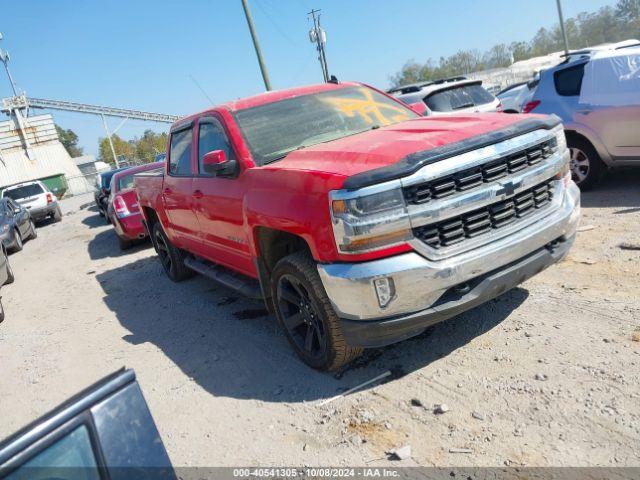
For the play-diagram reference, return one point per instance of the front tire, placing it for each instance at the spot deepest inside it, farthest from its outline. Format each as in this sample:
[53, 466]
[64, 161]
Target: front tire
[306, 315]
[587, 168]
[171, 257]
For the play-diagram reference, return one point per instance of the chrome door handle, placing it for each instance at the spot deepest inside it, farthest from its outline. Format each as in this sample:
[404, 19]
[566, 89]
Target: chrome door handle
[198, 194]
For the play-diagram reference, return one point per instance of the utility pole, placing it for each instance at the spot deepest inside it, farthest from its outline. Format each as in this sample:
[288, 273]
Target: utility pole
[256, 45]
[22, 122]
[113, 150]
[4, 57]
[564, 33]
[318, 36]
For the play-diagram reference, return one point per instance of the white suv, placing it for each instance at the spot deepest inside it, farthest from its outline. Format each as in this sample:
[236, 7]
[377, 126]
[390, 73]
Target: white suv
[450, 96]
[35, 197]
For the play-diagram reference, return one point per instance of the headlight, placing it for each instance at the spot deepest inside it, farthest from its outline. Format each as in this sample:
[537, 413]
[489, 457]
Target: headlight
[369, 218]
[561, 138]
[561, 143]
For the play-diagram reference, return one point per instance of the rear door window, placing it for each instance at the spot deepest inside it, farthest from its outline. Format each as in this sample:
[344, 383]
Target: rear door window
[180, 153]
[569, 81]
[212, 136]
[465, 96]
[23, 191]
[71, 456]
[125, 182]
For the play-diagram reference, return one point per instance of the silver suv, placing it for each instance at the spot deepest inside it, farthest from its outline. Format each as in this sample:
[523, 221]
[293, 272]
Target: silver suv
[450, 96]
[596, 93]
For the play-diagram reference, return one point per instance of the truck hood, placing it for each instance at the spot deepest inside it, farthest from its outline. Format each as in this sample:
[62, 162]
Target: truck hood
[386, 147]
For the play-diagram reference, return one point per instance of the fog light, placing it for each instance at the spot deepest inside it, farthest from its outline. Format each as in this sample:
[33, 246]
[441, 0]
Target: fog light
[385, 290]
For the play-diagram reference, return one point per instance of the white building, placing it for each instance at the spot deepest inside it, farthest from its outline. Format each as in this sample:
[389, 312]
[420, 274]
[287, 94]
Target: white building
[35, 152]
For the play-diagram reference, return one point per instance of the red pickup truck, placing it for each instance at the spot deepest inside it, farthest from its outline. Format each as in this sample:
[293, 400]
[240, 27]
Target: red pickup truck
[359, 222]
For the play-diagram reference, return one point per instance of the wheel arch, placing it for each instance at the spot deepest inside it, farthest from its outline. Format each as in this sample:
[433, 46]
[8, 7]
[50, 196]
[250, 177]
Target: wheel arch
[600, 149]
[272, 245]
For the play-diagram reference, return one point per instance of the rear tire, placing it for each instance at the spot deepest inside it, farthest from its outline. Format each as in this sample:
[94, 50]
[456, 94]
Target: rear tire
[306, 315]
[57, 215]
[171, 257]
[587, 168]
[124, 244]
[18, 244]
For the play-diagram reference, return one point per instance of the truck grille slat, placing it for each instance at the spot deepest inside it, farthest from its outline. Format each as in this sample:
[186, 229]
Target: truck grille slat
[483, 220]
[476, 176]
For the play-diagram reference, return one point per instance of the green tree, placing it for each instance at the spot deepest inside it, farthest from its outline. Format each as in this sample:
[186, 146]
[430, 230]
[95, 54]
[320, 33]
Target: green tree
[69, 139]
[139, 149]
[149, 145]
[123, 149]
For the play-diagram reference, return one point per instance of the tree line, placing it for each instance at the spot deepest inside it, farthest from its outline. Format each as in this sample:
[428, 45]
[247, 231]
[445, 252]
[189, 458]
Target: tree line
[608, 24]
[139, 149]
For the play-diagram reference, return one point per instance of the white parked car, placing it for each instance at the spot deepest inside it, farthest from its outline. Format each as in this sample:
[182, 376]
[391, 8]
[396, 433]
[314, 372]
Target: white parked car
[515, 97]
[35, 197]
[450, 96]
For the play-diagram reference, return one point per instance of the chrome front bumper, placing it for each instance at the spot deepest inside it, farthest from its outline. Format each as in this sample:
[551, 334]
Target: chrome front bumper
[420, 282]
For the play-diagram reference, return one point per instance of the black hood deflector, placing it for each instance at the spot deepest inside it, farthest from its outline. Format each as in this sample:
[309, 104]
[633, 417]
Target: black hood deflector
[415, 161]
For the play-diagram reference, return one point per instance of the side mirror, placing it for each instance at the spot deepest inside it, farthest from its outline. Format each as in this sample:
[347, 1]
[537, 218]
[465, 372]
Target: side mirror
[419, 107]
[216, 162]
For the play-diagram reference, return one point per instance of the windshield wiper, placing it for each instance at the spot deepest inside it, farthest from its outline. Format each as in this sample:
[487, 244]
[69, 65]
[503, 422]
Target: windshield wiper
[465, 105]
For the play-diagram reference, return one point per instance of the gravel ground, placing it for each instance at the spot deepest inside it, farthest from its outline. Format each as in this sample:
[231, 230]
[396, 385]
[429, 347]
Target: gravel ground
[547, 374]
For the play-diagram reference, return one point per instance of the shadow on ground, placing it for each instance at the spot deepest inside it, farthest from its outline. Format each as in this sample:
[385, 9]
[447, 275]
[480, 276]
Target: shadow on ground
[95, 221]
[619, 189]
[231, 346]
[105, 243]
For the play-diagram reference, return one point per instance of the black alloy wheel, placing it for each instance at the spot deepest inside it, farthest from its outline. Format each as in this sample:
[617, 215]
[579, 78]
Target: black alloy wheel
[163, 251]
[301, 317]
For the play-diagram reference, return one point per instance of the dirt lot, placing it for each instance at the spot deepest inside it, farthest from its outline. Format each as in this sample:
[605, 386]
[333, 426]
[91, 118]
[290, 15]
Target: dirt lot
[547, 374]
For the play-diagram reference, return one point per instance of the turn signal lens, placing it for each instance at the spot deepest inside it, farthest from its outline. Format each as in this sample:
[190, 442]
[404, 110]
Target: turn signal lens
[385, 290]
[369, 243]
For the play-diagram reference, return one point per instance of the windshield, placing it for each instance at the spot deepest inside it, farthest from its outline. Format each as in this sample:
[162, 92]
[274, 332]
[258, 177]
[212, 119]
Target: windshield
[23, 191]
[465, 96]
[276, 129]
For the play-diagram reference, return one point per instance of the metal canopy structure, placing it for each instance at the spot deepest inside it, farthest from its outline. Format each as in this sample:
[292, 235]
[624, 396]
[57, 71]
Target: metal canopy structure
[23, 102]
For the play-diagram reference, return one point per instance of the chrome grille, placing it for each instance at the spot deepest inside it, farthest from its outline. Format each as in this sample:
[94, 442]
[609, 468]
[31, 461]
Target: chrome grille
[478, 222]
[482, 174]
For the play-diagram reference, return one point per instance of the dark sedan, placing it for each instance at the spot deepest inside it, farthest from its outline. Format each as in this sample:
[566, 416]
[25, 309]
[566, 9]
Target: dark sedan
[101, 195]
[16, 225]
[6, 274]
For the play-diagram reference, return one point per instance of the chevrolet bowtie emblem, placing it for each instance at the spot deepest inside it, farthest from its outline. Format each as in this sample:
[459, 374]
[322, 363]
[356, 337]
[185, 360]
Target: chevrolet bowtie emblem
[508, 188]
